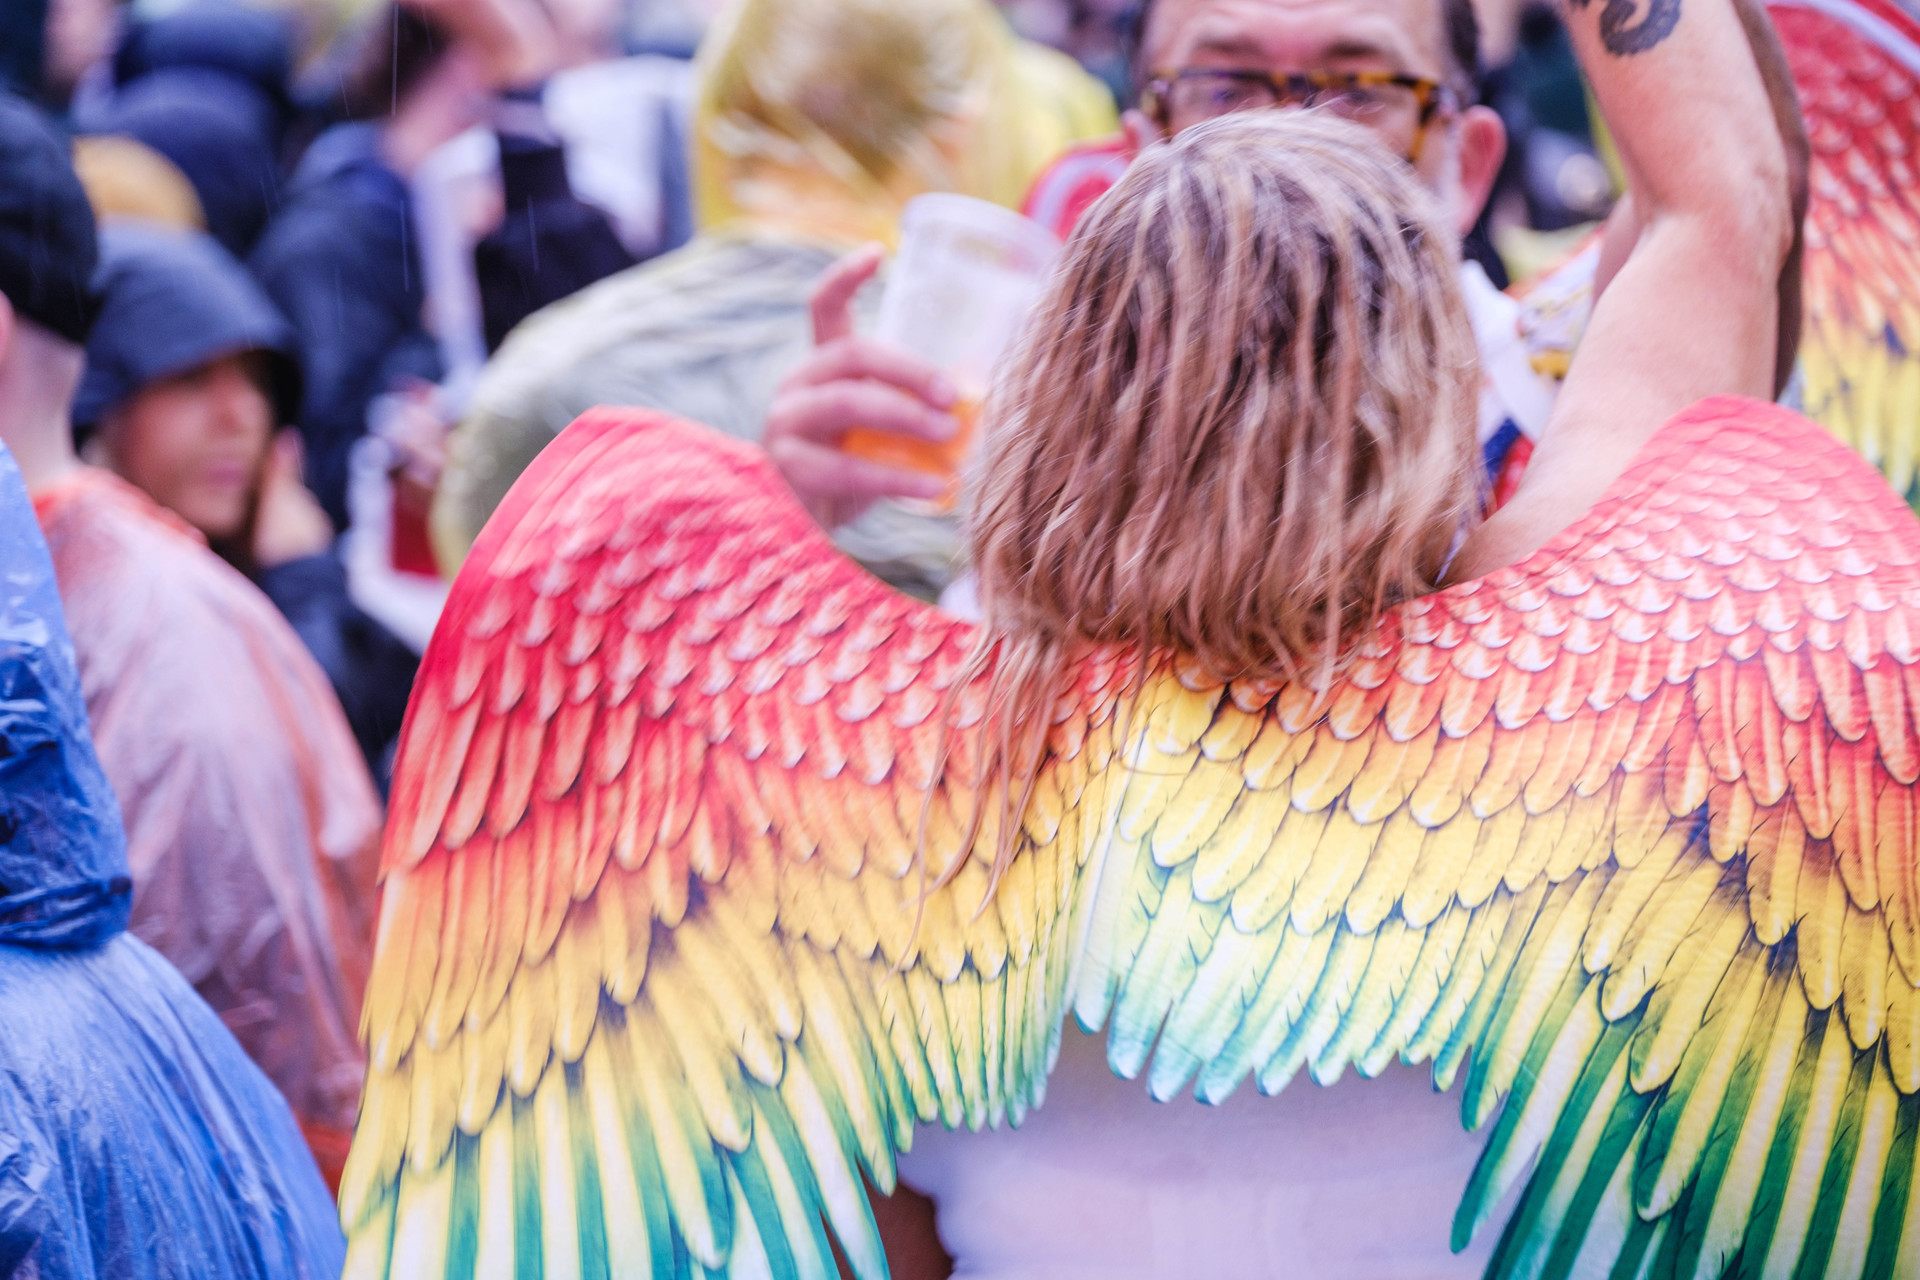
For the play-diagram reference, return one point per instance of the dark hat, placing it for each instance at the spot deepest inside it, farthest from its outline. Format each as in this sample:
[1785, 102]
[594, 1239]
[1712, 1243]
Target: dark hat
[171, 301]
[48, 246]
[218, 130]
[250, 44]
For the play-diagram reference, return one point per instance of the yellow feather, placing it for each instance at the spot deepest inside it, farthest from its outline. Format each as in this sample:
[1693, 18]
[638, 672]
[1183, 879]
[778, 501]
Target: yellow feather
[838, 1036]
[1194, 813]
[1441, 868]
[1396, 854]
[1628, 895]
[930, 1020]
[1494, 849]
[1457, 766]
[1903, 1031]
[1231, 734]
[1864, 957]
[1243, 840]
[682, 996]
[1329, 768]
[1440, 944]
[1274, 755]
[379, 1144]
[1713, 1050]
[861, 983]
[483, 1072]
[1016, 904]
[1338, 863]
[1823, 907]
[962, 999]
[1269, 888]
[1396, 948]
[897, 1018]
[423, 1221]
[1392, 771]
[1776, 852]
[1177, 716]
[434, 1078]
[370, 1245]
[576, 979]
[1682, 903]
[530, 1014]
[1679, 1006]
[763, 965]
[1548, 958]
[806, 1094]
[1473, 968]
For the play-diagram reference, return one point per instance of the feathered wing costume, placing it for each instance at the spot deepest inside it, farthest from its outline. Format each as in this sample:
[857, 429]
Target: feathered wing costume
[137, 1142]
[1856, 64]
[1622, 837]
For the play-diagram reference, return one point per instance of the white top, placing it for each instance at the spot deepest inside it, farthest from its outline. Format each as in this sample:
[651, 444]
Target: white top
[1357, 1181]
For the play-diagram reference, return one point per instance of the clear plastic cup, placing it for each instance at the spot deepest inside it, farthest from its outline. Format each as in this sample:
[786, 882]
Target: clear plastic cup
[967, 276]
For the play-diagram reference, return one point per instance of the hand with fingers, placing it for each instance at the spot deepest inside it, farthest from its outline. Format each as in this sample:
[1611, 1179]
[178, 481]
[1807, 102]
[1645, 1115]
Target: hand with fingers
[853, 382]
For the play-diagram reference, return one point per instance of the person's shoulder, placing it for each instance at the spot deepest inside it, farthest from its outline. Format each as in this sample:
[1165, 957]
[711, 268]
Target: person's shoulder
[610, 341]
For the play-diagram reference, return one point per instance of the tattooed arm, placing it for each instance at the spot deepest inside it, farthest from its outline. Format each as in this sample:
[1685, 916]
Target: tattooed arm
[1694, 310]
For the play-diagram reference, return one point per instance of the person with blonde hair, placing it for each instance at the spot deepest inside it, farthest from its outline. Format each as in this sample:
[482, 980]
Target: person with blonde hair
[1242, 430]
[815, 122]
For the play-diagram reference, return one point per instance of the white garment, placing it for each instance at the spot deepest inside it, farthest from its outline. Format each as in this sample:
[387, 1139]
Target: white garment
[1357, 1181]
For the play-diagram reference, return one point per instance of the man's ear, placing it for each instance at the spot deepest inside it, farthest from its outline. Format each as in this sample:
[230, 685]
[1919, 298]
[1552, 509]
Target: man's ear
[1483, 146]
[1141, 131]
[8, 325]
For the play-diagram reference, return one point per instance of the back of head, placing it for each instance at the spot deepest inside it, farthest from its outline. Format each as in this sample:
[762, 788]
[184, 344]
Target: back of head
[1249, 429]
[48, 243]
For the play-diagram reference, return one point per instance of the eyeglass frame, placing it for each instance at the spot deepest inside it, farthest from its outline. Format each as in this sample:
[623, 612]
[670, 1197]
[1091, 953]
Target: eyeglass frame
[1433, 98]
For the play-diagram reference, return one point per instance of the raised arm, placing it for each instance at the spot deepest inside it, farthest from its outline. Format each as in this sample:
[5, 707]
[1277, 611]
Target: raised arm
[1695, 308]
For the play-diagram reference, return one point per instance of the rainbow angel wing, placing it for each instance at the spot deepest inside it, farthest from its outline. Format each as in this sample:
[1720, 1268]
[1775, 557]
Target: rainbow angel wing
[1856, 64]
[1623, 835]
[654, 985]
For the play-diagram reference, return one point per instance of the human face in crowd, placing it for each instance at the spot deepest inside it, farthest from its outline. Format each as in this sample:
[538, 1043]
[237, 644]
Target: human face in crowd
[195, 442]
[1456, 148]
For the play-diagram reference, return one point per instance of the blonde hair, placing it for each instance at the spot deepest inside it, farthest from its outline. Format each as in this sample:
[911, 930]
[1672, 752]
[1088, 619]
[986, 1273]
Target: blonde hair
[1242, 429]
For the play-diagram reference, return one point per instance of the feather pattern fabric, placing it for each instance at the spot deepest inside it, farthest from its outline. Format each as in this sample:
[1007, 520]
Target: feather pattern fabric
[1619, 839]
[1856, 64]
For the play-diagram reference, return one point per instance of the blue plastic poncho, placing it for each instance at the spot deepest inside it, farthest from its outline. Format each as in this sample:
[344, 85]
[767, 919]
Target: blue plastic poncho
[136, 1140]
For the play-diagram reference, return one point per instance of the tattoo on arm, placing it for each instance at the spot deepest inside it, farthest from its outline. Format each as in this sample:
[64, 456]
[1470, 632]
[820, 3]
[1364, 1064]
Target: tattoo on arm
[1622, 36]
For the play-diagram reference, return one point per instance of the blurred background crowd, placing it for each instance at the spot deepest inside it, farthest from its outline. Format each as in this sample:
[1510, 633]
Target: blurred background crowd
[359, 260]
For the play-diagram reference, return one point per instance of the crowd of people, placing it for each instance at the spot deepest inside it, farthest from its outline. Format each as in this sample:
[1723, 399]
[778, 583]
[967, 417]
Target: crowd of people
[295, 292]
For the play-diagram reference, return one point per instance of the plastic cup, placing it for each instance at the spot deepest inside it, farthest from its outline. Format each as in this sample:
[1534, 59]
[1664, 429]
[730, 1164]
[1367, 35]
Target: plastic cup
[967, 276]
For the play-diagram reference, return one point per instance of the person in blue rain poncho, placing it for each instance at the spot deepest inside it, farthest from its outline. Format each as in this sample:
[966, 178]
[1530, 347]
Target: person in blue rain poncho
[136, 1139]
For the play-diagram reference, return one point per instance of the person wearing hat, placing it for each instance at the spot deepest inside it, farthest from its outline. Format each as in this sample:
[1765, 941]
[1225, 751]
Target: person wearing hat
[190, 370]
[136, 1140]
[252, 824]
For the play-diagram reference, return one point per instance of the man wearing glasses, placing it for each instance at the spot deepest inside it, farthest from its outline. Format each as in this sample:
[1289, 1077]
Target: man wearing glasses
[1406, 69]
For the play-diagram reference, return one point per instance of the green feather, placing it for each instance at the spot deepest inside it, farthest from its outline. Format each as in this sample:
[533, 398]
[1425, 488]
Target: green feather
[1839, 1171]
[1778, 1175]
[527, 1262]
[1529, 1118]
[1691, 1232]
[589, 1208]
[1600, 1084]
[1889, 1218]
